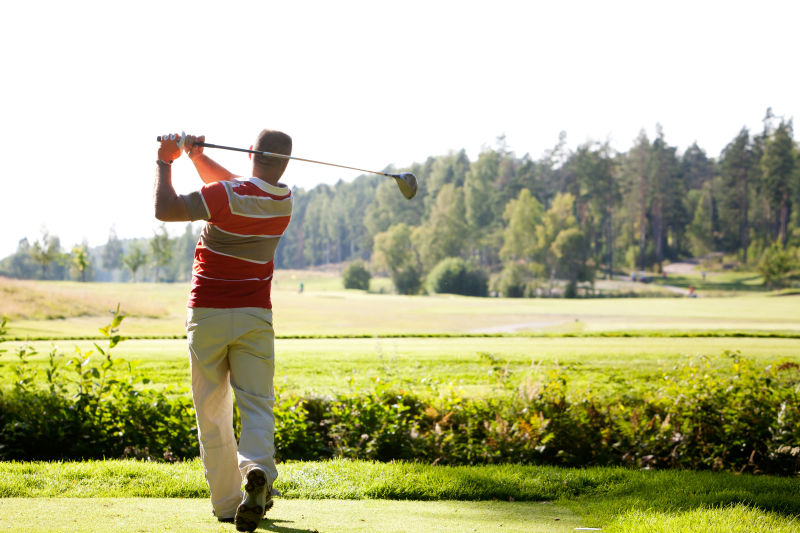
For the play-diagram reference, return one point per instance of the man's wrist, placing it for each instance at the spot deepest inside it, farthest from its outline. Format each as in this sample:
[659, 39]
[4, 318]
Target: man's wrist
[162, 162]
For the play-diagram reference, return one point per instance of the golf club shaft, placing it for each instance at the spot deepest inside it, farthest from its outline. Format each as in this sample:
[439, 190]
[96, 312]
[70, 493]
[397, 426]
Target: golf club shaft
[283, 156]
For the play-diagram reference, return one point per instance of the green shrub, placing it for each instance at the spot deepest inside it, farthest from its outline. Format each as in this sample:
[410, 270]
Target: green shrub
[696, 419]
[455, 276]
[775, 265]
[92, 406]
[722, 413]
[356, 276]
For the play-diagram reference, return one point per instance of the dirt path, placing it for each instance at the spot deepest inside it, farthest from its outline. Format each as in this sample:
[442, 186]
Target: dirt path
[686, 267]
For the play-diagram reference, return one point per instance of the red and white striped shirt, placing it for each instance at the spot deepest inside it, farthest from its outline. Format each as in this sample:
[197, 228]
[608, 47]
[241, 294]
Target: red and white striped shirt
[233, 261]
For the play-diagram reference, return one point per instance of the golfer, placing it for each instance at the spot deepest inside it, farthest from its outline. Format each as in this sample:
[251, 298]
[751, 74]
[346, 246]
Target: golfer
[229, 325]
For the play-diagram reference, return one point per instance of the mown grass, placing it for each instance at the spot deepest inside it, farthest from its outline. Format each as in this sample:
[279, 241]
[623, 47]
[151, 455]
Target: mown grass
[432, 366]
[614, 498]
[137, 515]
[323, 309]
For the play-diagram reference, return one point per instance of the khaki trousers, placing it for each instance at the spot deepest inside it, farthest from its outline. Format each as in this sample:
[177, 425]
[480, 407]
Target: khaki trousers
[232, 348]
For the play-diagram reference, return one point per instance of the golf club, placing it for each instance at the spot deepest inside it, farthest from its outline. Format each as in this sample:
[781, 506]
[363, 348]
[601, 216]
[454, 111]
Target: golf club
[406, 181]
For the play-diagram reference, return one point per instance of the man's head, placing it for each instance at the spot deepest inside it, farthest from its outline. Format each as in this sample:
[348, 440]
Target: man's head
[271, 168]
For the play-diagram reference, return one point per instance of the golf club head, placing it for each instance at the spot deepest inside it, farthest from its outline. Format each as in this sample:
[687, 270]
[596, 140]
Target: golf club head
[407, 183]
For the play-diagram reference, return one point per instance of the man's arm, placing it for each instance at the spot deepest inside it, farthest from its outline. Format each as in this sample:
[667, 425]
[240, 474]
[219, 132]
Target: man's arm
[209, 170]
[169, 207]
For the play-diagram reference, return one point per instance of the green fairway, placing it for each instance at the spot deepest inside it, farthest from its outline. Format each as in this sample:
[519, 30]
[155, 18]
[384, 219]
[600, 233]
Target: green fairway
[325, 366]
[42, 309]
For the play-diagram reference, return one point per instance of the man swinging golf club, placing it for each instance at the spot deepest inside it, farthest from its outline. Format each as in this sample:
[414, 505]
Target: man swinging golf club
[229, 325]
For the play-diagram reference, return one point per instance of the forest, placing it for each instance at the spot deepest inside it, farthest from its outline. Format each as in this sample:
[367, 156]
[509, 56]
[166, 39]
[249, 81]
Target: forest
[517, 225]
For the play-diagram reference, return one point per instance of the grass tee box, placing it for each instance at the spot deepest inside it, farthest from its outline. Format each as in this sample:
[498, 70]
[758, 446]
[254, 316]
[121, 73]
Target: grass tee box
[461, 498]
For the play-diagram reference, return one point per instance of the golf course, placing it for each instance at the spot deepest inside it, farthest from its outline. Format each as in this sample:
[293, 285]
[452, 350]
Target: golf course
[336, 345]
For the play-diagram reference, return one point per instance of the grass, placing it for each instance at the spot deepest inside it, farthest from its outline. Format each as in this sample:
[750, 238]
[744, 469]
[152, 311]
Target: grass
[290, 516]
[359, 496]
[55, 300]
[429, 366]
[616, 499]
[724, 283]
[324, 308]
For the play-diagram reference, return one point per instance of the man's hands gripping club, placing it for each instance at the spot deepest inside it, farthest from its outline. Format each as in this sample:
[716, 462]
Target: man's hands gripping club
[171, 145]
[170, 148]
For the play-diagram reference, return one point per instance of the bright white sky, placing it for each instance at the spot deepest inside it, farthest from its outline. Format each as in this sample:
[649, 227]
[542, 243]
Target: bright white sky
[87, 86]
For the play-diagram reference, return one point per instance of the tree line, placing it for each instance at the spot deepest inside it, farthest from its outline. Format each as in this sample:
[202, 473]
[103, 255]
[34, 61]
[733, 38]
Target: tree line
[158, 258]
[571, 215]
[530, 226]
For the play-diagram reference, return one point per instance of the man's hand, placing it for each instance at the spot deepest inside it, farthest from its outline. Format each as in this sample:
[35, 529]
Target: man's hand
[193, 150]
[169, 150]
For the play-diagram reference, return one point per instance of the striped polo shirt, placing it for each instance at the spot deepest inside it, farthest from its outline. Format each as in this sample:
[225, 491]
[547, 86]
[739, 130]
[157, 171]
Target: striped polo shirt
[233, 261]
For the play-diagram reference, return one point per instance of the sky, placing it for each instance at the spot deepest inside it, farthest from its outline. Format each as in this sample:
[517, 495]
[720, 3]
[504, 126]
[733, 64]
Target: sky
[87, 87]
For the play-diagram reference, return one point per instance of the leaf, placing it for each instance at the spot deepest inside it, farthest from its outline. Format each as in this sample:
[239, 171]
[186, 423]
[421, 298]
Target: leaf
[117, 320]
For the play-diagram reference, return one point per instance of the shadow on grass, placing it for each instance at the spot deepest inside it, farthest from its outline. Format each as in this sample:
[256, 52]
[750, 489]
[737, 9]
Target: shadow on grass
[276, 525]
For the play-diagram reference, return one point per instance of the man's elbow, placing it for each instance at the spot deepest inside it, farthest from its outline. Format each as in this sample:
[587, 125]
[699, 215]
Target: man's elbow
[161, 214]
[171, 211]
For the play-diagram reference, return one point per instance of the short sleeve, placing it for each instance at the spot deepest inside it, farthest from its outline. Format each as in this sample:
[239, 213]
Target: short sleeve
[196, 206]
[215, 197]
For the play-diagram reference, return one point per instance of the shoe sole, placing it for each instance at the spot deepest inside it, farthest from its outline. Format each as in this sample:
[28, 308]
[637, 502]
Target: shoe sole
[248, 516]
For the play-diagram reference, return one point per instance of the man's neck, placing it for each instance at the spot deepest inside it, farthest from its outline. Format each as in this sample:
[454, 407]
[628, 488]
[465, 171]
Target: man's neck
[269, 178]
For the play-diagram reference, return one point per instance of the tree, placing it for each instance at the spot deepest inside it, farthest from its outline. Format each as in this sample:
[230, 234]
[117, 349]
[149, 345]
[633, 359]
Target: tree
[556, 220]
[665, 190]
[45, 251]
[636, 171]
[445, 234]
[451, 168]
[161, 250]
[778, 165]
[597, 193]
[522, 216]
[696, 168]
[135, 259]
[394, 252]
[735, 172]
[569, 249]
[20, 264]
[479, 200]
[80, 260]
[112, 252]
[700, 231]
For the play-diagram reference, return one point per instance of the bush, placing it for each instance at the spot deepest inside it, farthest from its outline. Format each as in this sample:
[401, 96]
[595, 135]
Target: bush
[775, 265]
[356, 276]
[749, 421]
[91, 406]
[517, 280]
[738, 417]
[455, 276]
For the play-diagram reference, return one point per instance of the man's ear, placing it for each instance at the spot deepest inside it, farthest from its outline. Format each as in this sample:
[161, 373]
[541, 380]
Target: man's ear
[250, 155]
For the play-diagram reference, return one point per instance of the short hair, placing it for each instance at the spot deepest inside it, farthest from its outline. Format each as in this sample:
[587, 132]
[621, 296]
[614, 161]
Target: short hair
[275, 142]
